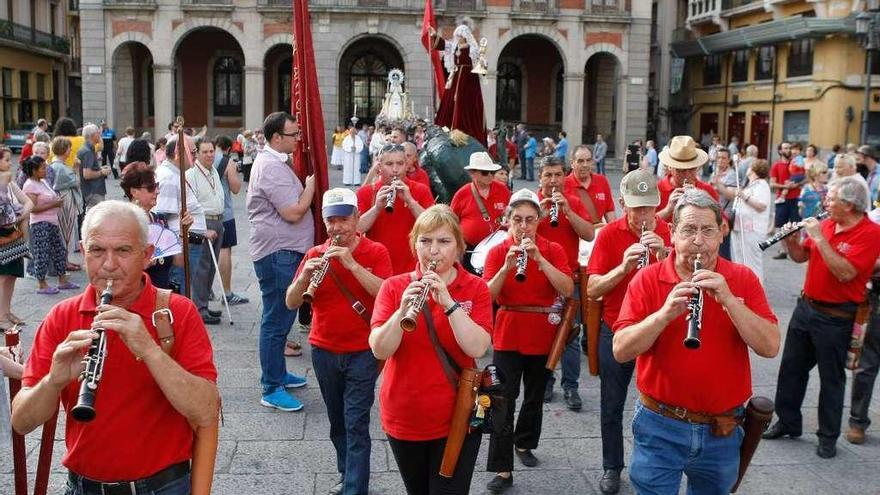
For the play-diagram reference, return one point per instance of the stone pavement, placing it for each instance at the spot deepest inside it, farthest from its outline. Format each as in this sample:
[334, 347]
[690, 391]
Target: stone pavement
[269, 452]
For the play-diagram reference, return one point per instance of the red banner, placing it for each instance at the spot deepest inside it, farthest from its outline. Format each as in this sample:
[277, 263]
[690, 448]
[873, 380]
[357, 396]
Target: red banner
[429, 20]
[305, 101]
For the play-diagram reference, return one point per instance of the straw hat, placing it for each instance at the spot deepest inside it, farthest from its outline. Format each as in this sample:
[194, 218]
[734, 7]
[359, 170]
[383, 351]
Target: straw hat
[683, 153]
[481, 160]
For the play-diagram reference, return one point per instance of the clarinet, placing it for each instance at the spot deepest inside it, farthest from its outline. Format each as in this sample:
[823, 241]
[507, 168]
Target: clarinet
[643, 259]
[782, 234]
[408, 322]
[392, 196]
[319, 274]
[695, 316]
[84, 410]
[554, 212]
[522, 261]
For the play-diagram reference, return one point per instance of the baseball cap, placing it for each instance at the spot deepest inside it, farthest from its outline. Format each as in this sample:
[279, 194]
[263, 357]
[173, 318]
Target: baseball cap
[639, 188]
[524, 195]
[338, 202]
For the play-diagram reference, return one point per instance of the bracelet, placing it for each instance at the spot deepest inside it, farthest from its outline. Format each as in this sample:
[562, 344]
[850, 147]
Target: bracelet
[452, 308]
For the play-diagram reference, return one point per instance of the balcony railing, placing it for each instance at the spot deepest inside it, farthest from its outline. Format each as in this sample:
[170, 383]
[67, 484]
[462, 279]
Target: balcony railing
[206, 2]
[703, 11]
[129, 3]
[605, 7]
[24, 34]
[534, 6]
[732, 4]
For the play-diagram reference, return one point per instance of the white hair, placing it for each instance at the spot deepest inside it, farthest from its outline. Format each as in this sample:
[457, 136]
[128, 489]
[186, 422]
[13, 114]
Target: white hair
[111, 211]
[90, 130]
[41, 145]
[752, 150]
[853, 191]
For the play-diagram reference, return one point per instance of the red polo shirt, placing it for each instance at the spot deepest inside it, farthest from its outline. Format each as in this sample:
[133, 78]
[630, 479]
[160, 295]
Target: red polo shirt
[416, 398]
[511, 151]
[717, 376]
[419, 175]
[860, 246]
[564, 234]
[779, 171]
[336, 327]
[136, 432]
[392, 229]
[526, 333]
[611, 242]
[666, 187]
[599, 191]
[473, 226]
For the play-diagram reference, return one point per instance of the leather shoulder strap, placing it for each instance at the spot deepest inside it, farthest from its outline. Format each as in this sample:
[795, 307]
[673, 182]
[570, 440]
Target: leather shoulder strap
[163, 321]
[588, 203]
[356, 305]
[480, 204]
[450, 368]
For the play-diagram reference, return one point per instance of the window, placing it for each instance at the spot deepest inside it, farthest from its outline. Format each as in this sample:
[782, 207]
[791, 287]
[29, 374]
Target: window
[53, 13]
[508, 101]
[227, 87]
[25, 106]
[875, 61]
[740, 66]
[24, 89]
[284, 70]
[873, 138]
[560, 90]
[712, 70]
[6, 93]
[41, 87]
[765, 62]
[796, 126]
[367, 81]
[800, 58]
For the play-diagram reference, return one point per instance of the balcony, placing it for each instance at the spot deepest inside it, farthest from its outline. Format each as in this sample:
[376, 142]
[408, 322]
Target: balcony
[703, 11]
[207, 5]
[129, 4]
[33, 38]
[607, 7]
[367, 5]
[531, 8]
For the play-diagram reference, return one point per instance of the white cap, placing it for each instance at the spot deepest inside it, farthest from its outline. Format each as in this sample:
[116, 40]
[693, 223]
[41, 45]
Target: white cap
[524, 195]
[338, 202]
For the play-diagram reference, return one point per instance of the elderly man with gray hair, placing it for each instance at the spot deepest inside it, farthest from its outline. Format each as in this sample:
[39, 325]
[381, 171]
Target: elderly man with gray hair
[92, 174]
[841, 252]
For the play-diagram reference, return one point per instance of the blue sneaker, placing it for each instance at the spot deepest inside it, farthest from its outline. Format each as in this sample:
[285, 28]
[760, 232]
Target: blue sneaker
[293, 381]
[280, 399]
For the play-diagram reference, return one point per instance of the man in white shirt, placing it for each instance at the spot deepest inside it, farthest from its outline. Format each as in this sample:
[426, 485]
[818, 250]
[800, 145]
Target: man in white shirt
[122, 147]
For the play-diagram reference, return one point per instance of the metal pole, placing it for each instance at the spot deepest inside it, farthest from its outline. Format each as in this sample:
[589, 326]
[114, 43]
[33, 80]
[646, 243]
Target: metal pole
[869, 46]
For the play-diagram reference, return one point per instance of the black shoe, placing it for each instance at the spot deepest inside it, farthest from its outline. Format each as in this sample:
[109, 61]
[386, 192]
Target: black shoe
[500, 483]
[215, 313]
[548, 394]
[780, 256]
[573, 399]
[527, 458]
[337, 489]
[610, 482]
[779, 431]
[826, 449]
[210, 320]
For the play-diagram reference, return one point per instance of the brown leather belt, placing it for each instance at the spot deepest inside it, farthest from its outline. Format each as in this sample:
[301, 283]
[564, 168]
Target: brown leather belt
[529, 309]
[682, 414]
[830, 309]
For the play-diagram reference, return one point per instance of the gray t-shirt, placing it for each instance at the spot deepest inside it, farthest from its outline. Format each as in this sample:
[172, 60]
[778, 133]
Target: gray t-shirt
[89, 160]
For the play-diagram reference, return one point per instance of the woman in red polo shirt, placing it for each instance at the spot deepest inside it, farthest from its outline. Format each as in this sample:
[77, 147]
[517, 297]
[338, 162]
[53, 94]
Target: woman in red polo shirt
[417, 396]
[527, 318]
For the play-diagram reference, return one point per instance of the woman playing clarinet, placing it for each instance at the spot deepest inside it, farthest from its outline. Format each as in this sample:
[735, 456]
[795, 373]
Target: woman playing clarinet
[452, 329]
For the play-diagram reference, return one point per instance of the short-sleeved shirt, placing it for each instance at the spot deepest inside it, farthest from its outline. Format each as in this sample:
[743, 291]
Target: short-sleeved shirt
[526, 333]
[222, 163]
[89, 161]
[781, 173]
[564, 234]
[168, 201]
[599, 192]
[336, 327]
[392, 229]
[714, 378]
[860, 245]
[45, 195]
[137, 432]
[273, 187]
[611, 242]
[473, 226]
[416, 398]
[205, 183]
[665, 187]
[420, 176]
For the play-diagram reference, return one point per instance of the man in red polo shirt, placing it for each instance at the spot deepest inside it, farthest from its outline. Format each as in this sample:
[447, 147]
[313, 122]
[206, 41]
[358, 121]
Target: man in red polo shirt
[410, 200]
[480, 204]
[615, 261]
[682, 159]
[786, 192]
[691, 399]
[591, 188]
[841, 252]
[147, 399]
[341, 306]
[414, 170]
[573, 224]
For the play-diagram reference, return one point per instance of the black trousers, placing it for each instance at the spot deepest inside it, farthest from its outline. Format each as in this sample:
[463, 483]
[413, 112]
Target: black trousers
[419, 465]
[866, 374]
[615, 378]
[813, 339]
[531, 371]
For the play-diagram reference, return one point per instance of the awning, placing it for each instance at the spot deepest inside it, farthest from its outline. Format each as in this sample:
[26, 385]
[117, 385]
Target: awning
[767, 33]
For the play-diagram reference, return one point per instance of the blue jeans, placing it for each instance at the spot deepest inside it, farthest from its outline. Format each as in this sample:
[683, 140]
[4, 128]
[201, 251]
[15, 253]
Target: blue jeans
[274, 272]
[615, 378]
[180, 486]
[665, 448]
[600, 166]
[347, 384]
[177, 276]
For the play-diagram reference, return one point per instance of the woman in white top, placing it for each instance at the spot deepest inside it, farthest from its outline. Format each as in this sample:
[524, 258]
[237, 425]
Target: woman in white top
[752, 219]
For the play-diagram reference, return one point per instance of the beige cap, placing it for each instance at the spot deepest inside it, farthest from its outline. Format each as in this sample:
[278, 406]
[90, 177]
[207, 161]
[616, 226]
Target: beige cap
[639, 188]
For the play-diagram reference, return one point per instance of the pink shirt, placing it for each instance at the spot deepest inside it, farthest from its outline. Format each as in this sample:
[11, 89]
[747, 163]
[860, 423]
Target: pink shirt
[44, 195]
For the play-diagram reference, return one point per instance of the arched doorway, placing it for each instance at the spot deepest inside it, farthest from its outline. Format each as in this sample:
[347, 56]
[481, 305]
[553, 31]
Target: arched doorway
[524, 92]
[133, 87]
[602, 74]
[363, 77]
[278, 65]
[209, 79]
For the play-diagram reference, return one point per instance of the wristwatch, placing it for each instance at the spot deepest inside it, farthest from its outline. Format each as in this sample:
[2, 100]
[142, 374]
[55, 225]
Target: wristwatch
[452, 308]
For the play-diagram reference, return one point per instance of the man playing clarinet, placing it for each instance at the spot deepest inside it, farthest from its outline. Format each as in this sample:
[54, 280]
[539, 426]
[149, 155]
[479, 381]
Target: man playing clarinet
[691, 398]
[841, 252]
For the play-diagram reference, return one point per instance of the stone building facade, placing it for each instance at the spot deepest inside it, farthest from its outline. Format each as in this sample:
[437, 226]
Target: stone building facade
[575, 65]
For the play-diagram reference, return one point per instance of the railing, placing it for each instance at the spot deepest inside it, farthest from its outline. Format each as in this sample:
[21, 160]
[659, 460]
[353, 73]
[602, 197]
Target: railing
[151, 3]
[703, 10]
[604, 7]
[446, 5]
[534, 6]
[206, 2]
[33, 37]
[732, 4]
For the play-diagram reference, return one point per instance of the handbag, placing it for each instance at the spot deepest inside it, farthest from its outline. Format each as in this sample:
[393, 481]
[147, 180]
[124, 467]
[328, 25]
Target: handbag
[13, 250]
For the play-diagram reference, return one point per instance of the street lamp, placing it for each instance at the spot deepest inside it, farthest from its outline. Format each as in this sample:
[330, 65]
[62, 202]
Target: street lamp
[867, 32]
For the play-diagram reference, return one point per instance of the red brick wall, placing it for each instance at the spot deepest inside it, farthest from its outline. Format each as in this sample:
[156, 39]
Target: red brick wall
[615, 39]
[124, 26]
[571, 4]
[195, 52]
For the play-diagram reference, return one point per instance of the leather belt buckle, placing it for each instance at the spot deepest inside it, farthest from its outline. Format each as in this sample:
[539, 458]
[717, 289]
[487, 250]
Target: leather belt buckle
[121, 488]
[679, 412]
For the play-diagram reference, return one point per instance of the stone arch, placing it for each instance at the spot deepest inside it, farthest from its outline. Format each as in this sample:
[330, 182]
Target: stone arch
[537, 55]
[550, 33]
[126, 37]
[604, 105]
[130, 83]
[403, 52]
[348, 54]
[179, 33]
[275, 40]
[609, 49]
[274, 81]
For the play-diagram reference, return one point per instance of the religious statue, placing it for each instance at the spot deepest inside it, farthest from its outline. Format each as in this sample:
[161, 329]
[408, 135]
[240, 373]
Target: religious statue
[396, 106]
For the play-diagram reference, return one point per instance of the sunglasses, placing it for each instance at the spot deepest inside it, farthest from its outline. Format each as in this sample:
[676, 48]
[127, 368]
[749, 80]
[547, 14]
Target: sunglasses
[391, 147]
[486, 173]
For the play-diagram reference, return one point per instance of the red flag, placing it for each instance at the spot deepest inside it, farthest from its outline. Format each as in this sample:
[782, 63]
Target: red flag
[305, 101]
[429, 20]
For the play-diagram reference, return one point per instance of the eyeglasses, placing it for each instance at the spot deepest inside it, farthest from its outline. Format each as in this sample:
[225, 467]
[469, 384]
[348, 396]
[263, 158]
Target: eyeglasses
[521, 220]
[690, 231]
[391, 147]
[295, 134]
[149, 187]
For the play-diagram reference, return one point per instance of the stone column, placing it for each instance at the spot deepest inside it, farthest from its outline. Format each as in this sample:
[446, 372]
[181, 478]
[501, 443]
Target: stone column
[253, 97]
[94, 64]
[163, 97]
[573, 99]
[490, 91]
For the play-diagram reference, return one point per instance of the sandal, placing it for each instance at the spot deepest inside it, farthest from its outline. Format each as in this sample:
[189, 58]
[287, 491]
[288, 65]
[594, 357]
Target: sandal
[68, 286]
[73, 267]
[292, 349]
[14, 319]
[49, 291]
